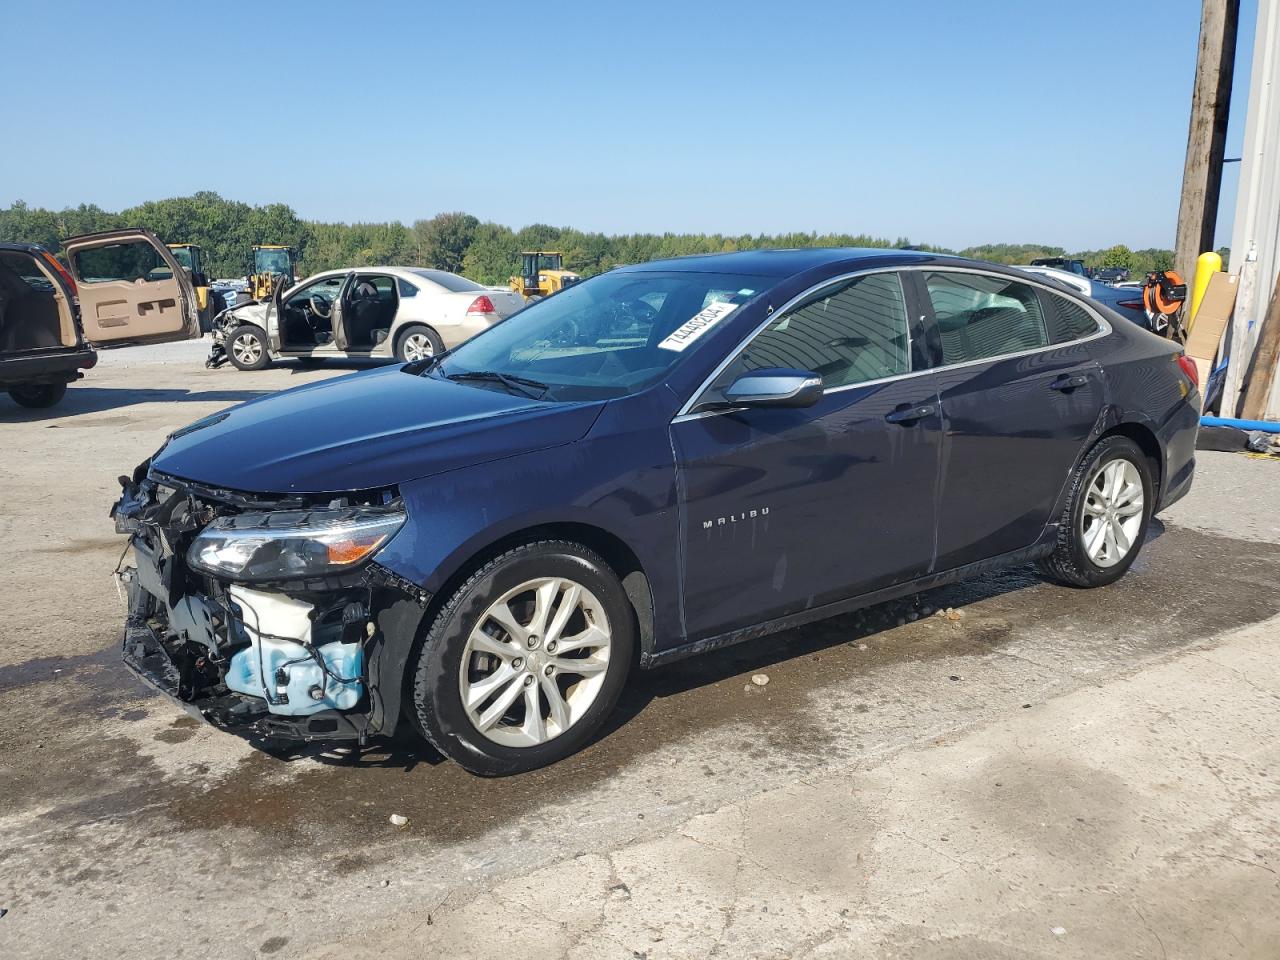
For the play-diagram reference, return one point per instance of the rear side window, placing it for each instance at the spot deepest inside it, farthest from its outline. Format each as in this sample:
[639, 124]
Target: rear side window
[1067, 320]
[406, 288]
[980, 316]
[136, 260]
[380, 288]
[851, 332]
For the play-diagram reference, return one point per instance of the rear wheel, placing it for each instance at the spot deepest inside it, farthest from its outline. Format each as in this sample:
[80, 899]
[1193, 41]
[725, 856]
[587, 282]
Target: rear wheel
[38, 395]
[247, 347]
[418, 342]
[1105, 521]
[526, 660]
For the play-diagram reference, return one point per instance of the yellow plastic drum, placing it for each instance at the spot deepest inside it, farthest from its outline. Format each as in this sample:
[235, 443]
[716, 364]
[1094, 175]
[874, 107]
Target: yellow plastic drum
[1207, 264]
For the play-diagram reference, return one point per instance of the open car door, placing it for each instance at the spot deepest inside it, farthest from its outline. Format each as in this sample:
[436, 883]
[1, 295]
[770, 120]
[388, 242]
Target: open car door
[131, 289]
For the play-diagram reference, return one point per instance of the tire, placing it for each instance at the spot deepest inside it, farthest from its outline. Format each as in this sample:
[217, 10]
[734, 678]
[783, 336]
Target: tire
[414, 342]
[243, 355]
[1072, 562]
[38, 396]
[601, 623]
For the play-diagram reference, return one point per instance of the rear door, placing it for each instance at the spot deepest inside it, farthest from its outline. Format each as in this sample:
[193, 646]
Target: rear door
[1019, 400]
[131, 289]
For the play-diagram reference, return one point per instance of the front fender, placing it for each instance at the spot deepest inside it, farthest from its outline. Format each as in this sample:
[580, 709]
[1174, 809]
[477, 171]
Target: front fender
[619, 482]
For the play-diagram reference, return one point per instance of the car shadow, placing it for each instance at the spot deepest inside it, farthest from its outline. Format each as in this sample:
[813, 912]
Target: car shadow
[406, 751]
[81, 400]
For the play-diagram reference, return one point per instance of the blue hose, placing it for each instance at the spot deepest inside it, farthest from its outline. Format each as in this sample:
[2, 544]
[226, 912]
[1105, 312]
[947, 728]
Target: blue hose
[1266, 426]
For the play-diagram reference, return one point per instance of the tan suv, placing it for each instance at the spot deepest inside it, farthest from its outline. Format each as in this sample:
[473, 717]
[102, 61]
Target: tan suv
[118, 288]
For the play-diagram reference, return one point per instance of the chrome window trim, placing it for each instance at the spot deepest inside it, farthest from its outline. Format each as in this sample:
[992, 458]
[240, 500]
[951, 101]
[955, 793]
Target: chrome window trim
[1104, 329]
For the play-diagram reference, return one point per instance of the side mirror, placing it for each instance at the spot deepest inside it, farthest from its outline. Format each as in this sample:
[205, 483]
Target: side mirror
[774, 387]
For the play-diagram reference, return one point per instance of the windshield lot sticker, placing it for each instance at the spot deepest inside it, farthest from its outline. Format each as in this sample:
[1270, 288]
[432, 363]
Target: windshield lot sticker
[692, 329]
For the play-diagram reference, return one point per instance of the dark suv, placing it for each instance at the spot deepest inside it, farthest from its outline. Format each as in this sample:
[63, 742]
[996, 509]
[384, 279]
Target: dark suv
[53, 316]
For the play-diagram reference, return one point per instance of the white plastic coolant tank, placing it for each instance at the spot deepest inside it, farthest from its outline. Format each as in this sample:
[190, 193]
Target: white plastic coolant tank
[280, 616]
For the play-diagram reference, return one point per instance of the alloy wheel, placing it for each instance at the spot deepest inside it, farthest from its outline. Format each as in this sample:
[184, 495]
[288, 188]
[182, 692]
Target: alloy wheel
[247, 349]
[417, 346]
[1111, 518]
[535, 662]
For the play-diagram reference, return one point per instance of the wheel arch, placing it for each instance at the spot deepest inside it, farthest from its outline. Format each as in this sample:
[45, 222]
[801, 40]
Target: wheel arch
[1147, 442]
[621, 559]
[615, 552]
[1113, 423]
[403, 327]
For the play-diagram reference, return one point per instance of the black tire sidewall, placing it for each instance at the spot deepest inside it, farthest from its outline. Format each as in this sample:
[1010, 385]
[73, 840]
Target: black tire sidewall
[1107, 450]
[262, 338]
[437, 345]
[38, 396]
[437, 698]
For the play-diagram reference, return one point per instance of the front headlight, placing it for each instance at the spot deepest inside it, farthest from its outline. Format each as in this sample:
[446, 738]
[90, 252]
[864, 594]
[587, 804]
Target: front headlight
[292, 544]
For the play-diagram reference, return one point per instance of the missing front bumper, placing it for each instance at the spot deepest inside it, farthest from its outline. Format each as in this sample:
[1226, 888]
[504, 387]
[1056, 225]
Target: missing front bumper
[150, 661]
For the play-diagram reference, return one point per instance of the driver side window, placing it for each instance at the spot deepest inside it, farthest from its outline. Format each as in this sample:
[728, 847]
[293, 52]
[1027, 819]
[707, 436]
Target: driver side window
[850, 332]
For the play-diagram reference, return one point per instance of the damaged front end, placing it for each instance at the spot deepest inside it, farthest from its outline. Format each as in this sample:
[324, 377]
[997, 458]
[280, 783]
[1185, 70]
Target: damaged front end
[267, 616]
[222, 326]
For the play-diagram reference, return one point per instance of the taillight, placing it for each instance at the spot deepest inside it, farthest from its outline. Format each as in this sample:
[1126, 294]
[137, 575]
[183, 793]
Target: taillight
[1189, 368]
[62, 272]
[89, 362]
[1130, 304]
[481, 304]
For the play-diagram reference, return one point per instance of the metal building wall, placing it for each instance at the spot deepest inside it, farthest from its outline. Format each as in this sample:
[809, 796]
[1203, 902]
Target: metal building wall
[1255, 237]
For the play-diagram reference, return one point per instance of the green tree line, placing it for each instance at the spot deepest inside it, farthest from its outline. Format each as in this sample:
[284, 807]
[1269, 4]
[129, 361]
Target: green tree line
[459, 242]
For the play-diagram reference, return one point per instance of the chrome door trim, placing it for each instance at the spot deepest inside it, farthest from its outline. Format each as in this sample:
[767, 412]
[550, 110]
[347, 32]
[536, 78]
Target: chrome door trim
[1104, 329]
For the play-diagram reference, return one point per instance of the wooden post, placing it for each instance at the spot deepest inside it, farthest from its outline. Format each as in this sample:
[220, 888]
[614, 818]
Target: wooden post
[1207, 133]
[1266, 357]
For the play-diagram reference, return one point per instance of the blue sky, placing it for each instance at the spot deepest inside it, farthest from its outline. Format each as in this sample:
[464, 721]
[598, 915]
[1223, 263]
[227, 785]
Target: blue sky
[951, 123]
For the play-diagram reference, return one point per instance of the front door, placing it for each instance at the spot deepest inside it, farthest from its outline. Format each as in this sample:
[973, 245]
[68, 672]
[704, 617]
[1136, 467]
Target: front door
[131, 289]
[786, 509]
[1017, 409]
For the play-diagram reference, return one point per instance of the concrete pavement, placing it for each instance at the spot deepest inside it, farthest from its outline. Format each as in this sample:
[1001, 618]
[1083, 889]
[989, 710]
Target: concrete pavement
[805, 815]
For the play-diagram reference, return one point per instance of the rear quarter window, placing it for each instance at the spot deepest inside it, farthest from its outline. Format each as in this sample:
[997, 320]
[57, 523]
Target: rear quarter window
[1065, 319]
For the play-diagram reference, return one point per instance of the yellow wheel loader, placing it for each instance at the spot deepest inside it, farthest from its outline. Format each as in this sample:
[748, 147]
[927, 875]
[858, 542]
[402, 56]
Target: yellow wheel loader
[542, 273]
[210, 303]
[273, 265]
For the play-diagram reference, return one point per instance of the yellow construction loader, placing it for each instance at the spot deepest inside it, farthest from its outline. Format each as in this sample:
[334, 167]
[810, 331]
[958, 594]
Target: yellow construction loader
[542, 273]
[211, 304]
[272, 264]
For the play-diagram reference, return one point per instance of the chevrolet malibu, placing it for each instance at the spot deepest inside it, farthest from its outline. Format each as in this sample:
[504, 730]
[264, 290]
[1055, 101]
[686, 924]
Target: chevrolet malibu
[482, 544]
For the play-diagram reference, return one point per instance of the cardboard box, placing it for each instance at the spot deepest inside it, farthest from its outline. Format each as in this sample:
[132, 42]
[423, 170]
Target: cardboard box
[1211, 322]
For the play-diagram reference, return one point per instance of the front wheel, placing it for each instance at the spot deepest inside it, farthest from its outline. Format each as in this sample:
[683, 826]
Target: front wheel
[526, 660]
[38, 396]
[247, 347]
[1105, 521]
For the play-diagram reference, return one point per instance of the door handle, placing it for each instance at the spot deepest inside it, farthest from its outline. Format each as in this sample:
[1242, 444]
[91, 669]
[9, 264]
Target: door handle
[912, 414]
[1070, 383]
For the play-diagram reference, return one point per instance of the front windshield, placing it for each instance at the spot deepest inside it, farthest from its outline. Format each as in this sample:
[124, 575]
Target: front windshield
[182, 255]
[609, 336]
[271, 261]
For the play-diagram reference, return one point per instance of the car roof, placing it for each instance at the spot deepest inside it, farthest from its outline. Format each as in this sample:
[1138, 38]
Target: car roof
[777, 263]
[408, 273]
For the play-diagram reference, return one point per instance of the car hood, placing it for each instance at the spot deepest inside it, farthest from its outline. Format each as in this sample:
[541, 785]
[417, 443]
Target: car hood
[366, 430]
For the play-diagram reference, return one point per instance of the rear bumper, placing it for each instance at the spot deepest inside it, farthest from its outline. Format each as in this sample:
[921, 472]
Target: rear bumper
[59, 366]
[457, 333]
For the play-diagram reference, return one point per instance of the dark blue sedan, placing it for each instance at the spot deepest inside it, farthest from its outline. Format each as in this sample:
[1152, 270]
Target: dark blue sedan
[656, 462]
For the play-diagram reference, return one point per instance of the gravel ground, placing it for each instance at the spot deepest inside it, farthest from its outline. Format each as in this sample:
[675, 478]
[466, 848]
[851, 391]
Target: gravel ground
[1100, 763]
